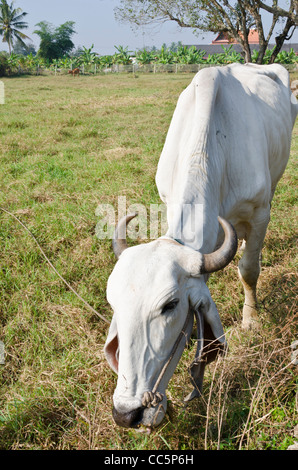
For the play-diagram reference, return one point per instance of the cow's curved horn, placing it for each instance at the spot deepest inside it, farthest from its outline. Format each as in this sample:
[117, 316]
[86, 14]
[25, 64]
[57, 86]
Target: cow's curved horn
[223, 256]
[119, 238]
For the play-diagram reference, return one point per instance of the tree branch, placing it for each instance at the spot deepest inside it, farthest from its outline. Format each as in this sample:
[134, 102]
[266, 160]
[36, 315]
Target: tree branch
[277, 10]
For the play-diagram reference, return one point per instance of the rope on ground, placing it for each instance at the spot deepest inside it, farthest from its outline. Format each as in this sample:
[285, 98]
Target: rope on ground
[53, 267]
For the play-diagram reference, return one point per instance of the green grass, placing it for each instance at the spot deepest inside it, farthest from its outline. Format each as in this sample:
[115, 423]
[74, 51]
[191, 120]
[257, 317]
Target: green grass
[67, 145]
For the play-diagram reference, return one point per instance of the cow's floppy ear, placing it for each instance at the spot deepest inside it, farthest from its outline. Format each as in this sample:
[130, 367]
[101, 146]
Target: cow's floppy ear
[211, 342]
[111, 347]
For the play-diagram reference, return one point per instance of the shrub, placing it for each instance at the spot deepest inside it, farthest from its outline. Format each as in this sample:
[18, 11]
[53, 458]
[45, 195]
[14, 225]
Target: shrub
[4, 66]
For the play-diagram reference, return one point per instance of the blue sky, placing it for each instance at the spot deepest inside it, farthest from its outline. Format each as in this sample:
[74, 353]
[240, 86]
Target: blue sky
[95, 24]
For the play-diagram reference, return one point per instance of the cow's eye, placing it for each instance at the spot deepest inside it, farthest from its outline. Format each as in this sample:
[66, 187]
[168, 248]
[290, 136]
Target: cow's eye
[170, 306]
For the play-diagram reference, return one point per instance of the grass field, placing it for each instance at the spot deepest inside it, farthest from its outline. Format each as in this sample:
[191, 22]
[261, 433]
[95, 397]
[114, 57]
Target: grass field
[67, 145]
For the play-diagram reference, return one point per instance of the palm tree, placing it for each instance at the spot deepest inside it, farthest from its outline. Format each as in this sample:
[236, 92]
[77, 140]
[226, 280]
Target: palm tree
[11, 21]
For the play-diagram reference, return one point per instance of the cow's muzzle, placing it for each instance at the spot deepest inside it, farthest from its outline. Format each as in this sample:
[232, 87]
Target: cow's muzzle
[149, 413]
[129, 419]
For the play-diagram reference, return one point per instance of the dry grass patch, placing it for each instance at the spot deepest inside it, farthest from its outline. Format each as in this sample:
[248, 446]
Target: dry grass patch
[120, 152]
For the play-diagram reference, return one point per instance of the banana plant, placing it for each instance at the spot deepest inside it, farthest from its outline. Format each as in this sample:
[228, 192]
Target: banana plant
[189, 55]
[267, 56]
[106, 61]
[65, 62]
[13, 61]
[214, 59]
[122, 56]
[254, 55]
[144, 57]
[164, 56]
[87, 57]
[31, 61]
[284, 57]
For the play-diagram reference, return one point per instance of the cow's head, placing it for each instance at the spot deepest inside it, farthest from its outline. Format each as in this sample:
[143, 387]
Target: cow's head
[156, 290]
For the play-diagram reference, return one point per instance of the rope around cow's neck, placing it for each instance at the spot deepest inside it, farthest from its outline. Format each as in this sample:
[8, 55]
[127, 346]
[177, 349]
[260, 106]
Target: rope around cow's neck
[153, 397]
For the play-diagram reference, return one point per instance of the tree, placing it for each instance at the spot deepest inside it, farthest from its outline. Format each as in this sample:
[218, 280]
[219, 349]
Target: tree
[291, 21]
[21, 49]
[11, 21]
[232, 17]
[55, 42]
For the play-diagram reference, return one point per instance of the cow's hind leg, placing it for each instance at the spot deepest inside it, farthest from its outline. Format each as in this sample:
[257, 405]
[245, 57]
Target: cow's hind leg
[250, 265]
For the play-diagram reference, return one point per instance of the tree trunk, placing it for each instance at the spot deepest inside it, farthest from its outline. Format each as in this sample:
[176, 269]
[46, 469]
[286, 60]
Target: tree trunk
[245, 31]
[246, 52]
[262, 51]
[281, 38]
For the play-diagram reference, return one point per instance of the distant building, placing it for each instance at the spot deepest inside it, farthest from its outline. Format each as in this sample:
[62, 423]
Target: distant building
[225, 38]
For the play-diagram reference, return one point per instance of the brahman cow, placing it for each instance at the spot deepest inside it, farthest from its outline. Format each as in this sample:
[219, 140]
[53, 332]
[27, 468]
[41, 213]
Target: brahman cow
[227, 146]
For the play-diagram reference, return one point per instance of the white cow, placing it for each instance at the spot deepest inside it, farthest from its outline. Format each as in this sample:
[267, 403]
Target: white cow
[227, 146]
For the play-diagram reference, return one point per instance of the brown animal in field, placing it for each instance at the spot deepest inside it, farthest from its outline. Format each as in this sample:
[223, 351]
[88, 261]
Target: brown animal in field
[74, 71]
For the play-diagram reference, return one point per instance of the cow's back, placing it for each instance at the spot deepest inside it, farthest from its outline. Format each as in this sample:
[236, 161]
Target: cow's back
[256, 111]
[229, 140]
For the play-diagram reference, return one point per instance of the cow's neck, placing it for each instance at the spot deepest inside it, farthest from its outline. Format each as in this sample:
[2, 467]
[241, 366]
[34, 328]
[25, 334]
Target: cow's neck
[192, 215]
